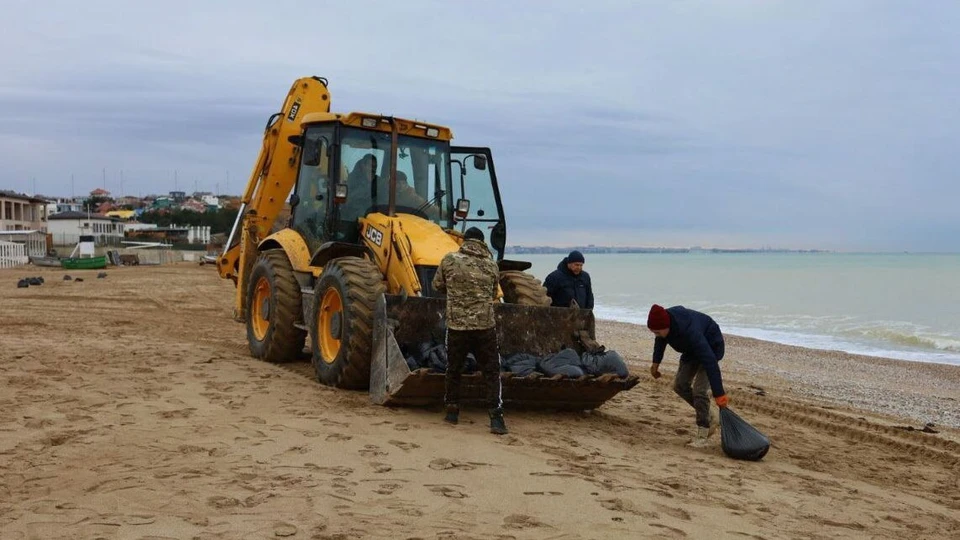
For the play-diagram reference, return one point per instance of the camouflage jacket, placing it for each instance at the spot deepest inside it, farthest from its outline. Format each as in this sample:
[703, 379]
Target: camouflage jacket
[469, 278]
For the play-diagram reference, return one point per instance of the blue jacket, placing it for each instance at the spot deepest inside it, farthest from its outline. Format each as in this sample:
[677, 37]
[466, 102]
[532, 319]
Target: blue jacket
[696, 336]
[563, 286]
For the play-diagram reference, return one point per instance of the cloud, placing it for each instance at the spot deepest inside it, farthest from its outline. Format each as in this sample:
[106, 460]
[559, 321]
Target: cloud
[819, 124]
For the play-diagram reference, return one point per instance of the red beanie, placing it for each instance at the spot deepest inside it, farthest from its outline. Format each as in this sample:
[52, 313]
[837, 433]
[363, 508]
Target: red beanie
[658, 319]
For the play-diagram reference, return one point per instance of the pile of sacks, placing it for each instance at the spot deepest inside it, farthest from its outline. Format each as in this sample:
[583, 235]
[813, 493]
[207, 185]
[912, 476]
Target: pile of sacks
[28, 281]
[567, 362]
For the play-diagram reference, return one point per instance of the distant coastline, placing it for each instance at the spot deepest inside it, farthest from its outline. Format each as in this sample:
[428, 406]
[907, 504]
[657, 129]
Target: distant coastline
[621, 249]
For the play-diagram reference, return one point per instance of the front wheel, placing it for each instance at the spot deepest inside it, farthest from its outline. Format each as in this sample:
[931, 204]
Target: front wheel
[342, 338]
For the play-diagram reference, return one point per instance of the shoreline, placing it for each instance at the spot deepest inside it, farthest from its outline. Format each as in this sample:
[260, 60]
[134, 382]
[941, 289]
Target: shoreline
[924, 392]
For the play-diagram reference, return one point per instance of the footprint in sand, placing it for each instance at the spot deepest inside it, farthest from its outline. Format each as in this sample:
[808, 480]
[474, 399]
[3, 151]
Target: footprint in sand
[509, 440]
[521, 521]
[219, 501]
[371, 450]
[387, 489]
[452, 491]
[284, 529]
[381, 467]
[627, 507]
[180, 413]
[675, 533]
[337, 437]
[406, 446]
[443, 464]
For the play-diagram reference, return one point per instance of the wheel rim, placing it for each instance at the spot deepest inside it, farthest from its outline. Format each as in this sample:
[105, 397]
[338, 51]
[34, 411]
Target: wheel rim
[260, 310]
[329, 324]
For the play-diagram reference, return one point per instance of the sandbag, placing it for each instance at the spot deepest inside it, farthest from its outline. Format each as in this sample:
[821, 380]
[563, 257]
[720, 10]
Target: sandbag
[739, 439]
[434, 357]
[521, 363]
[604, 362]
[412, 363]
[565, 362]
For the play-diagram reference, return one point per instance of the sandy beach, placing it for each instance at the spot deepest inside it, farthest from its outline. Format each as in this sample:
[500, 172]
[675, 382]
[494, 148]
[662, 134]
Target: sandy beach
[130, 408]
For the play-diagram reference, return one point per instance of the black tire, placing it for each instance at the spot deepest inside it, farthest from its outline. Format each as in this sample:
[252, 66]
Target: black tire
[358, 284]
[282, 341]
[522, 288]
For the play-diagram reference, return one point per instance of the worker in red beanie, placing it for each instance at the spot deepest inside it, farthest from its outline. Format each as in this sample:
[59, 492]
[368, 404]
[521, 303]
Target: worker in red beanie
[697, 337]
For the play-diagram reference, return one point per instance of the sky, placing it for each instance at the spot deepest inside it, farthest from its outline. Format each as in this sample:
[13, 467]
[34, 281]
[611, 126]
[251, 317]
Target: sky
[816, 124]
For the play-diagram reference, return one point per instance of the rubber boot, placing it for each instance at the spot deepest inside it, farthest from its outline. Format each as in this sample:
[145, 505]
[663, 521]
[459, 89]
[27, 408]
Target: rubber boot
[700, 441]
[714, 421]
[453, 414]
[497, 425]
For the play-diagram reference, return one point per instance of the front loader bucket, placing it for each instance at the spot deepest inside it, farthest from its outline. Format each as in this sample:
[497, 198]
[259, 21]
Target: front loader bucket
[402, 323]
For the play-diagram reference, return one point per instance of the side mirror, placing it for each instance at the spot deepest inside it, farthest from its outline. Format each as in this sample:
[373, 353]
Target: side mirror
[498, 236]
[462, 210]
[296, 140]
[294, 200]
[340, 193]
[479, 163]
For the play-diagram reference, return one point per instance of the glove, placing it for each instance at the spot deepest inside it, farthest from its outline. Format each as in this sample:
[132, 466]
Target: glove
[655, 370]
[722, 401]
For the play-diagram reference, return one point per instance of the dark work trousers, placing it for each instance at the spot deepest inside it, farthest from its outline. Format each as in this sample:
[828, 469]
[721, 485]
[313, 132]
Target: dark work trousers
[483, 345]
[691, 384]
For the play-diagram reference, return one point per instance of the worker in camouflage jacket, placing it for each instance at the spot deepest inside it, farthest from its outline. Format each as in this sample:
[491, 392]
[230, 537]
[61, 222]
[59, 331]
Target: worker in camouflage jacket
[469, 278]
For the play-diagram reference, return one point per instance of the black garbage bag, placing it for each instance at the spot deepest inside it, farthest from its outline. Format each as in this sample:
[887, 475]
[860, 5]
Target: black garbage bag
[23, 284]
[565, 362]
[435, 358]
[739, 439]
[604, 362]
[34, 281]
[412, 362]
[520, 363]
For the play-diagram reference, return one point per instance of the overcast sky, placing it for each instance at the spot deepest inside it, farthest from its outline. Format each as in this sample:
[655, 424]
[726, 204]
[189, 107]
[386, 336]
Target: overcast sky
[729, 123]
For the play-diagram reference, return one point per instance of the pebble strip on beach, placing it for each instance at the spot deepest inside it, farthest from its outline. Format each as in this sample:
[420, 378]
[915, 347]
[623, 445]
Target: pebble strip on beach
[920, 392]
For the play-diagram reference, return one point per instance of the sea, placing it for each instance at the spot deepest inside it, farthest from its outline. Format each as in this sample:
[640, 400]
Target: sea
[903, 306]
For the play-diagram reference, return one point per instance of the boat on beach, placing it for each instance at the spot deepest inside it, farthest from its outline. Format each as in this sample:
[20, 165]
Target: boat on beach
[84, 263]
[45, 261]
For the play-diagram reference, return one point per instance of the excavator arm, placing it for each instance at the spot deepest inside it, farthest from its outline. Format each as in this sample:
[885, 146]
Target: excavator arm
[271, 181]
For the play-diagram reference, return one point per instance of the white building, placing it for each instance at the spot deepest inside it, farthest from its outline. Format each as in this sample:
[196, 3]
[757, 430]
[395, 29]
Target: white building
[67, 227]
[64, 205]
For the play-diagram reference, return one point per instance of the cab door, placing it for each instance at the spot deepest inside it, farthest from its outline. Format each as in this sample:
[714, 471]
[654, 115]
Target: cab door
[475, 179]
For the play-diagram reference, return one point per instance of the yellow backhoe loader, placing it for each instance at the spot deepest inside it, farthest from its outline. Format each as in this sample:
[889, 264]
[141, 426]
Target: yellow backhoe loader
[376, 202]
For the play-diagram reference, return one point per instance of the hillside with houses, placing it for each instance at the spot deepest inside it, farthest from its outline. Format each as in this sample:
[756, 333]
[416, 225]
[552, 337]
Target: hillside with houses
[199, 220]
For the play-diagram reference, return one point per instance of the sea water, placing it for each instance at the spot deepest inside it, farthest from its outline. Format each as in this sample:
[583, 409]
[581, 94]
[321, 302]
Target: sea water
[904, 306]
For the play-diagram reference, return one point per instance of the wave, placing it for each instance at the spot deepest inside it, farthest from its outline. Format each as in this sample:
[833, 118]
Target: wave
[888, 339]
[910, 339]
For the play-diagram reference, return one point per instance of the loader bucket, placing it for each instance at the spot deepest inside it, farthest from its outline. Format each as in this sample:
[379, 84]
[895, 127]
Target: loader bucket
[402, 323]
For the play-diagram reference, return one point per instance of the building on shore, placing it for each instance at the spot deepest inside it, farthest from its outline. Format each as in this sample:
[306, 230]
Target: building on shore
[22, 212]
[66, 228]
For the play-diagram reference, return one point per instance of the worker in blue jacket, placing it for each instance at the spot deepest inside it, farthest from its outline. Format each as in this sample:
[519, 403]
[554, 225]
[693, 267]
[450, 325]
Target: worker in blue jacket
[569, 283]
[697, 337]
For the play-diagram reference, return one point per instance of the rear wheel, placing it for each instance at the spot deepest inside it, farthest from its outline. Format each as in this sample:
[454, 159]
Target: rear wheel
[342, 336]
[522, 288]
[273, 306]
